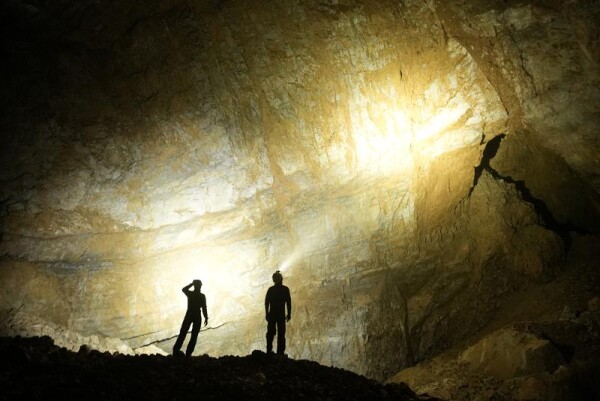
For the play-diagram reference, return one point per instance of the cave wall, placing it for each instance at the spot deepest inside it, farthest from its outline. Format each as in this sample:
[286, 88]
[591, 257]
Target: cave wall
[342, 141]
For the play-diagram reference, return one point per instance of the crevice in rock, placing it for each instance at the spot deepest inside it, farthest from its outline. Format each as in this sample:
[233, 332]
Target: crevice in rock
[488, 154]
[563, 230]
[566, 351]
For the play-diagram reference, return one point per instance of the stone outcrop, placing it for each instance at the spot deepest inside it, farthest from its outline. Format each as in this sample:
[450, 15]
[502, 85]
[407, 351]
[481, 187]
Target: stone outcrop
[405, 163]
[531, 361]
[509, 353]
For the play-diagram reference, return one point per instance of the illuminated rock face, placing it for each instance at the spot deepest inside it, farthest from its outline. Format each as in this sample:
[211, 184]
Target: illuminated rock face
[349, 144]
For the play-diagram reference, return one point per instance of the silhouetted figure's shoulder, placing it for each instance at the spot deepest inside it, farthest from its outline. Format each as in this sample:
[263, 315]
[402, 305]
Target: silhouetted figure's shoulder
[278, 288]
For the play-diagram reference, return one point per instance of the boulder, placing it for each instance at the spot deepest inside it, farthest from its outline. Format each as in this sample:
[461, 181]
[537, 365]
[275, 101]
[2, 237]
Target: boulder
[509, 353]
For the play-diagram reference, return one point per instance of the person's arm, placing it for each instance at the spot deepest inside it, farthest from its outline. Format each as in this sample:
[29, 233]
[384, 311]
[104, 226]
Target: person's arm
[267, 306]
[288, 302]
[204, 310]
[186, 289]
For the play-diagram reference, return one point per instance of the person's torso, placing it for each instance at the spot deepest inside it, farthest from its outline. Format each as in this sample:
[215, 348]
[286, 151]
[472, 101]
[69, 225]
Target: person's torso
[277, 296]
[196, 301]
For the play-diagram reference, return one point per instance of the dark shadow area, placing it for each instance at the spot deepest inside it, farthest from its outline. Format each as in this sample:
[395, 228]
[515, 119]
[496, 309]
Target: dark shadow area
[35, 369]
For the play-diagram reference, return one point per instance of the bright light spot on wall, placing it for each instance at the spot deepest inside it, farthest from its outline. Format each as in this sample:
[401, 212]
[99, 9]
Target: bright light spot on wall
[391, 146]
[384, 149]
[439, 122]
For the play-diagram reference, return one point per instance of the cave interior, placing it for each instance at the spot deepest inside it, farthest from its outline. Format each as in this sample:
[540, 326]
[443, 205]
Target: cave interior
[425, 174]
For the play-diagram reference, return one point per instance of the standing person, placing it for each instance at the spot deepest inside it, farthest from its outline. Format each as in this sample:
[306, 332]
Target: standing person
[278, 296]
[196, 302]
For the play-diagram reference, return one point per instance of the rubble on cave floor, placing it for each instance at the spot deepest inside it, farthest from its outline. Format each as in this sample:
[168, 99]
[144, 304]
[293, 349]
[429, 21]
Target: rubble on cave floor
[34, 368]
[553, 360]
[543, 343]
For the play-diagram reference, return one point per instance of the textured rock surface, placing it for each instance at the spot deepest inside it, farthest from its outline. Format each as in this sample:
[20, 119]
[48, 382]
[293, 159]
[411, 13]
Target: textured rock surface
[355, 145]
[499, 363]
[509, 353]
[539, 373]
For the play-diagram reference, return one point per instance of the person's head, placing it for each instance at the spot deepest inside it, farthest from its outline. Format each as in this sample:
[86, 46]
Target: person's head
[277, 277]
[197, 284]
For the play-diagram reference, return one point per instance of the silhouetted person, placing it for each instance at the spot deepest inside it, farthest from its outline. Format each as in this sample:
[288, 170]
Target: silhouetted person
[196, 302]
[278, 296]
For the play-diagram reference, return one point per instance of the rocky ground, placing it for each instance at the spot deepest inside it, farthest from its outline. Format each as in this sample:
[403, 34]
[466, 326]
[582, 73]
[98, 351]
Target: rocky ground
[542, 344]
[34, 369]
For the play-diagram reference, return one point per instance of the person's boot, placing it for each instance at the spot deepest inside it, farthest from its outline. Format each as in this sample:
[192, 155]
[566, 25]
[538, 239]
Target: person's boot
[178, 353]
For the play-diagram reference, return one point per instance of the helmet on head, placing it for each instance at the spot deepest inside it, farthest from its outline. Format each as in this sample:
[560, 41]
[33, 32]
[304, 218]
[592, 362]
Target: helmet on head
[277, 277]
[197, 283]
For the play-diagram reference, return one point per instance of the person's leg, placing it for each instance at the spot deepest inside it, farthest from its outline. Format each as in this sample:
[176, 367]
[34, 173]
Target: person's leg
[185, 326]
[270, 335]
[195, 330]
[280, 336]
